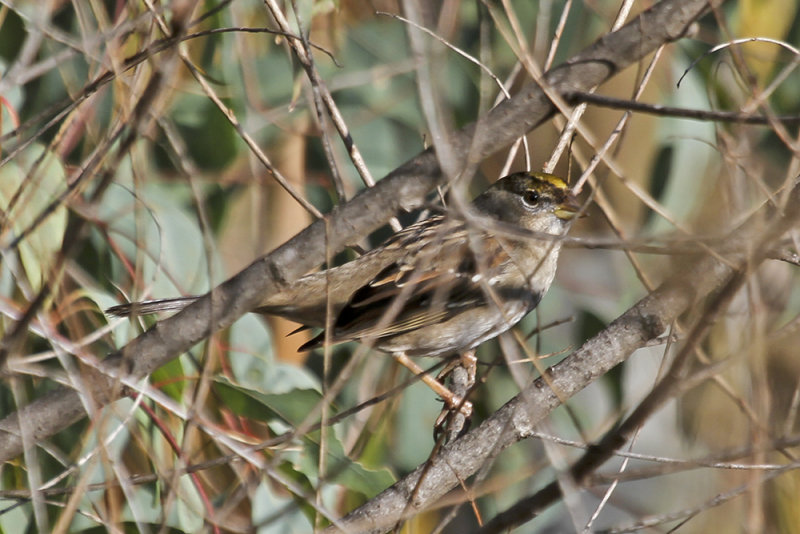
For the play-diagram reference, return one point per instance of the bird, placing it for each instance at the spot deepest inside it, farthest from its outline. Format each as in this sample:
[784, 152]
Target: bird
[439, 287]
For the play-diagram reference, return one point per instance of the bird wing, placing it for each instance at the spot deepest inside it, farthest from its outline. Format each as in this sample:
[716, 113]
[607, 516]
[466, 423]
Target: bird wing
[432, 282]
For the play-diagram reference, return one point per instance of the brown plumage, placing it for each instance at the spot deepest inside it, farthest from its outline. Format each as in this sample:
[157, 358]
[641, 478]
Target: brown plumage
[441, 286]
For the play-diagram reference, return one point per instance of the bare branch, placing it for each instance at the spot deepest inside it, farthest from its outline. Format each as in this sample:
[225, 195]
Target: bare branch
[404, 188]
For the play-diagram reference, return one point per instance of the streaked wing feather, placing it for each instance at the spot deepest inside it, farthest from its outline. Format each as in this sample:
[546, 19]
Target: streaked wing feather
[434, 295]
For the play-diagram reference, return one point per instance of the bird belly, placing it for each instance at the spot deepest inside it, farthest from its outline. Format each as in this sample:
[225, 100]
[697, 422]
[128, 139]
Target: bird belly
[462, 332]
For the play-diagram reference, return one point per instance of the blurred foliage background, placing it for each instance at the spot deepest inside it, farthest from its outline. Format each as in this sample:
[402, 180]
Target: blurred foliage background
[172, 201]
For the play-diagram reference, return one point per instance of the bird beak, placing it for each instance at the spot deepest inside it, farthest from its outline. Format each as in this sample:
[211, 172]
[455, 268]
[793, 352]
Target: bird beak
[569, 208]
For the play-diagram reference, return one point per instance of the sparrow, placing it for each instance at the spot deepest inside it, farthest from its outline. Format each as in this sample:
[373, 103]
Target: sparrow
[439, 287]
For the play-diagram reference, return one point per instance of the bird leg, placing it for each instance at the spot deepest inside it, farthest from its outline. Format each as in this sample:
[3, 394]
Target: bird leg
[451, 400]
[462, 372]
[466, 361]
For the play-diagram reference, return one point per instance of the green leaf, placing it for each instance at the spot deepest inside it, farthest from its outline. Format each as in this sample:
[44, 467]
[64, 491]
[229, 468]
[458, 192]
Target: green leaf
[253, 363]
[292, 407]
[279, 514]
[29, 185]
[343, 470]
[170, 378]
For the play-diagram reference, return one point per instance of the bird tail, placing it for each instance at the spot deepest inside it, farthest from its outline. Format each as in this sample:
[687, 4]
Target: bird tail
[147, 307]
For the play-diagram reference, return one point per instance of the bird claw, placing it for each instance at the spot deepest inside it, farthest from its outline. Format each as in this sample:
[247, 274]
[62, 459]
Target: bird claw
[454, 420]
[458, 411]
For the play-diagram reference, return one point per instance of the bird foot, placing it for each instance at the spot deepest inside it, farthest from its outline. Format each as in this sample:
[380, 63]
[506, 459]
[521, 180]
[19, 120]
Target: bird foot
[453, 401]
[455, 420]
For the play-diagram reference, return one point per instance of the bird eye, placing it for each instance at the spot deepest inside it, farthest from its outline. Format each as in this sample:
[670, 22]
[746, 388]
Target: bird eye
[530, 197]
